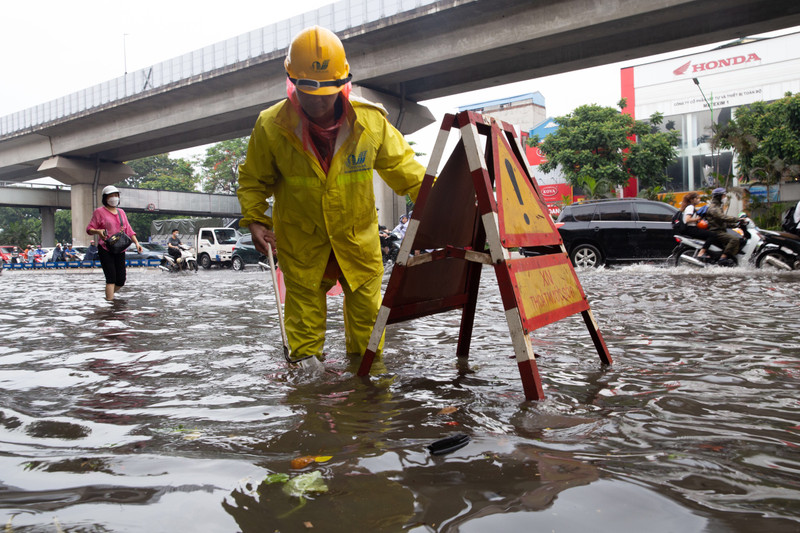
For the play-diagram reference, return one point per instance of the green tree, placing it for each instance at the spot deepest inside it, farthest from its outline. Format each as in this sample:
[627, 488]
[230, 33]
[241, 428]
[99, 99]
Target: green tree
[599, 148]
[140, 222]
[221, 166]
[730, 136]
[594, 188]
[9, 215]
[163, 173]
[766, 139]
[22, 232]
[158, 172]
[20, 226]
[63, 226]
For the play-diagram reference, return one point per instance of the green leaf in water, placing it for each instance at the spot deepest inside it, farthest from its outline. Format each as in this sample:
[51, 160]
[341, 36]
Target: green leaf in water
[310, 482]
[276, 478]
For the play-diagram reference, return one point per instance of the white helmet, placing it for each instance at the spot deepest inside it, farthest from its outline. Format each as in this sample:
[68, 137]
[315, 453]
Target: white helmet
[110, 190]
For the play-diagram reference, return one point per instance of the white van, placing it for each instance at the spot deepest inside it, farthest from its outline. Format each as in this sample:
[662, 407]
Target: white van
[215, 246]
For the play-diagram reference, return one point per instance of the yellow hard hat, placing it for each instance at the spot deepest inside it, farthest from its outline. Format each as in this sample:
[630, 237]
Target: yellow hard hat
[316, 63]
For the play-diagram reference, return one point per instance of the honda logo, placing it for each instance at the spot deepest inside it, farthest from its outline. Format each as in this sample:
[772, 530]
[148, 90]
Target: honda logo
[715, 64]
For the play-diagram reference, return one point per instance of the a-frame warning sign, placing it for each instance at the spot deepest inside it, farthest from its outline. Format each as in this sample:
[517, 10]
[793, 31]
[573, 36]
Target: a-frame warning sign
[457, 217]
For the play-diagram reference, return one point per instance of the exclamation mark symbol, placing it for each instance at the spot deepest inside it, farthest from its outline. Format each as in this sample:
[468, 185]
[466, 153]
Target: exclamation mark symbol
[510, 169]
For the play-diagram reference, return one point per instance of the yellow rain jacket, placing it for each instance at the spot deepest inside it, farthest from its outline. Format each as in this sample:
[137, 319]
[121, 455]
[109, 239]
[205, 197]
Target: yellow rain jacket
[315, 213]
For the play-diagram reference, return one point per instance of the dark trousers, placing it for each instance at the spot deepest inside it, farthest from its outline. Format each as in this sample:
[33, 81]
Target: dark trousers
[728, 242]
[175, 253]
[697, 233]
[113, 266]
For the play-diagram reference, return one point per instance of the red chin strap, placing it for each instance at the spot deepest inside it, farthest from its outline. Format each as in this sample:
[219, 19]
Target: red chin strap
[308, 144]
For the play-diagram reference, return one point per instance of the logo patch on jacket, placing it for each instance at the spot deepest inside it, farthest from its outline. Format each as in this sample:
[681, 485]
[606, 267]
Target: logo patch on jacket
[355, 163]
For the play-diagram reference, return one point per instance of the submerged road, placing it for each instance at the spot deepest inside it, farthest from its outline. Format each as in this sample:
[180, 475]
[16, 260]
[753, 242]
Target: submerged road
[172, 410]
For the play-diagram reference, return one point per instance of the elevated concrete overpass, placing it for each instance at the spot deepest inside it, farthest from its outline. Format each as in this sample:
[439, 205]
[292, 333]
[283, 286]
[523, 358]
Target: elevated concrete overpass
[48, 199]
[429, 49]
[136, 200]
[400, 53]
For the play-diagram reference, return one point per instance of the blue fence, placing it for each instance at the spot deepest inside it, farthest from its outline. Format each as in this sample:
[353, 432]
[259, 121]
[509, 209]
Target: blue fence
[77, 264]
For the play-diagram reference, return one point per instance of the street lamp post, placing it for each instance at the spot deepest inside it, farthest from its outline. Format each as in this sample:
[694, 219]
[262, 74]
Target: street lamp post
[125, 53]
[697, 82]
[711, 109]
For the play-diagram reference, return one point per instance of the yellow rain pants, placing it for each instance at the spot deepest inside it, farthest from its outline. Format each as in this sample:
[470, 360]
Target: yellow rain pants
[307, 310]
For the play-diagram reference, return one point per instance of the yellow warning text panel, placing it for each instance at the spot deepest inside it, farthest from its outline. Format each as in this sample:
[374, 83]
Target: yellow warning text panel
[546, 289]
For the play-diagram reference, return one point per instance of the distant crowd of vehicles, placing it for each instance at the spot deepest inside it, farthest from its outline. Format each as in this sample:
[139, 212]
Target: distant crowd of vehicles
[223, 247]
[12, 254]
[594, 233]
[626, 230]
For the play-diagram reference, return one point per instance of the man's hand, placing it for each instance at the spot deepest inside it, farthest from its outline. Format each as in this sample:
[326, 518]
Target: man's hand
[262, 237]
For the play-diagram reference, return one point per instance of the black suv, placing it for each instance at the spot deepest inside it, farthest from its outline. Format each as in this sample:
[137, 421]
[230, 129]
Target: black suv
[615, 230]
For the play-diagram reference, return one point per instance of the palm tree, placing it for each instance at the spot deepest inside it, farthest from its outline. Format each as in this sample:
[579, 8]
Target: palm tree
[771, 172]
[594, 188]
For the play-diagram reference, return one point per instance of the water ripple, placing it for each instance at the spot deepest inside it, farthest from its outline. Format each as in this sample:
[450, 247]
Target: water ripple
[177, 396]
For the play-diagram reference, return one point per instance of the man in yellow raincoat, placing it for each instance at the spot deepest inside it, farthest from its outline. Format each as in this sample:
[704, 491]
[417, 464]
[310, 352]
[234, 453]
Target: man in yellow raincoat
[315, 152]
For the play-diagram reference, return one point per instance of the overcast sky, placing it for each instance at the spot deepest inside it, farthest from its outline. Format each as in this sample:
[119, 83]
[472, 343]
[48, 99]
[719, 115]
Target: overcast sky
[51, 48]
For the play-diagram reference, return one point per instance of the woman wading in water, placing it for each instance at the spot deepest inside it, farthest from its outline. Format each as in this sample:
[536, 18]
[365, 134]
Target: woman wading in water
[108, 220]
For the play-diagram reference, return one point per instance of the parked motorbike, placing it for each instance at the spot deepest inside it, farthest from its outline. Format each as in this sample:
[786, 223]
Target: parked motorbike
[761, 248]
[390, 245]
[187, 260]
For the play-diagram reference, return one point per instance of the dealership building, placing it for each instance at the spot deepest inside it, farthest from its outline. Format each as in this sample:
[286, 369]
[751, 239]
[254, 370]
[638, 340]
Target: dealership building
[694, 91]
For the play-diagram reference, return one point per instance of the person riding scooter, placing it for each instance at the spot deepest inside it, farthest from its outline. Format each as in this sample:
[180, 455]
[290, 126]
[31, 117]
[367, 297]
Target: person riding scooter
[174, 246]
[390, 244]
[401, 228]
[718, 224]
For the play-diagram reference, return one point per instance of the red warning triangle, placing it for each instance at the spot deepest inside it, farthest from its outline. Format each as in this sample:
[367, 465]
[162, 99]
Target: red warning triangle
[523, 218]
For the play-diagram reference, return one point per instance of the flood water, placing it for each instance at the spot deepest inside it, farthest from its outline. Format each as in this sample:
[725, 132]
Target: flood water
[172, 410]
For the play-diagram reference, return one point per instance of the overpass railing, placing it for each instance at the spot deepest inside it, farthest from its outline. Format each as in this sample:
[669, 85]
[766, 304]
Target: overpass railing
[222, 55]
[149, 200]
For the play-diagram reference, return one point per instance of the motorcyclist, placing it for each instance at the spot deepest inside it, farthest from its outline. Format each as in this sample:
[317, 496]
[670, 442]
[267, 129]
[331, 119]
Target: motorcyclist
[91, 252]
[718, 223]
[796, 218]
[58, 253]
[384, 234]
[69, 253]
[174, 245]
[402, 226]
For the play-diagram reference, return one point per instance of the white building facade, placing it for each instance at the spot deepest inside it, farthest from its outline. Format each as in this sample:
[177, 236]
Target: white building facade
[692, 91]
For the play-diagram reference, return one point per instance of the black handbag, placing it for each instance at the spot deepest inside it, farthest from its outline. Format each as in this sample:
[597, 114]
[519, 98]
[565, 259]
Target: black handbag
[120, 241]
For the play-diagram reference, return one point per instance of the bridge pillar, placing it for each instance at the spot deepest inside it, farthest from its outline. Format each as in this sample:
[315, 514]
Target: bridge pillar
[48, 226]
[390, 205]
[80, 174]
[82, 207]
[407, 116]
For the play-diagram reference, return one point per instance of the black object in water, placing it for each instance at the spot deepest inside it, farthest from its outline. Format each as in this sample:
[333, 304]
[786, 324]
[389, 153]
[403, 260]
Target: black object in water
[448, 444]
